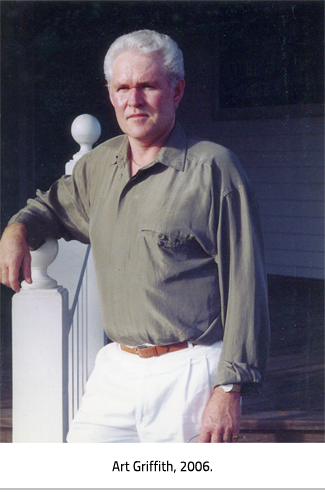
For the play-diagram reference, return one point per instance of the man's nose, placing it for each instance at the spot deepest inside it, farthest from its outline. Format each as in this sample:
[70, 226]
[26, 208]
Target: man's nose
[135, 97]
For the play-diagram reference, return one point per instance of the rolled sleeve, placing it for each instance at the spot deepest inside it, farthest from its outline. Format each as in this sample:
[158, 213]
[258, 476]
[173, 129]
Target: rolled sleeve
[243, 290]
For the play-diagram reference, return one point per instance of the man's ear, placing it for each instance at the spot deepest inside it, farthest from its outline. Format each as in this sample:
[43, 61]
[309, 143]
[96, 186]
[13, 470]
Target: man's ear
[179, 91]
[109, 94]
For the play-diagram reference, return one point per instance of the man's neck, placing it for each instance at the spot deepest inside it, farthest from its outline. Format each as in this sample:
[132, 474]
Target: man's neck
[140, 156]
[144, 152]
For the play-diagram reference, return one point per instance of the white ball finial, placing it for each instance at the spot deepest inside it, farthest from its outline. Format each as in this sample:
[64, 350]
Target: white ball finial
[41, 260]
[85, 130]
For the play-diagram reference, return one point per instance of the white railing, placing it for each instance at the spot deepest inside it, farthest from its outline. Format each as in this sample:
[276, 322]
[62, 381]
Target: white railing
[54, 345]
[78, 341]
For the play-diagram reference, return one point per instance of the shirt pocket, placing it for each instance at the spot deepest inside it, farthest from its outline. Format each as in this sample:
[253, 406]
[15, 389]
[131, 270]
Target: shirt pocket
[175, 245]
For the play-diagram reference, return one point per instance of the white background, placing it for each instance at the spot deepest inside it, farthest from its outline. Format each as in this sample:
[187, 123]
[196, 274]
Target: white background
[233, 466]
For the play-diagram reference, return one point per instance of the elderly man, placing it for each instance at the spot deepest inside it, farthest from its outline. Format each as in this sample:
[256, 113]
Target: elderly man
[178, 251]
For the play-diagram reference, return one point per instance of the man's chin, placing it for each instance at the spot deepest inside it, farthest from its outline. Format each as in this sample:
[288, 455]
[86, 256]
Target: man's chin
[138, 132]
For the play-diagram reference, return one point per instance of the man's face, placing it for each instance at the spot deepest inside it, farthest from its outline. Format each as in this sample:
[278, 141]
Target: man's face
[142, 97]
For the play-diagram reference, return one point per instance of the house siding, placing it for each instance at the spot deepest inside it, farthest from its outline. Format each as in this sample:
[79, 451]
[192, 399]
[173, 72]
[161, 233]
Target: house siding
[284, 159]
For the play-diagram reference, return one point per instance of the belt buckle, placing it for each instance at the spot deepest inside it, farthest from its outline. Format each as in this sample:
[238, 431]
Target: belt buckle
[140, 348]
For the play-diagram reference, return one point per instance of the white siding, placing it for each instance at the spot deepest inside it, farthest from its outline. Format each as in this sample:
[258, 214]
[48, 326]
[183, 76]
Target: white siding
[284, 160]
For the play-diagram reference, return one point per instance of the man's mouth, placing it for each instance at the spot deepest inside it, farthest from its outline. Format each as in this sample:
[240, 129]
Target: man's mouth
[137, 115]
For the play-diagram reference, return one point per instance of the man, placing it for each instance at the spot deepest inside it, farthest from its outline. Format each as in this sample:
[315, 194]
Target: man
[178, 252]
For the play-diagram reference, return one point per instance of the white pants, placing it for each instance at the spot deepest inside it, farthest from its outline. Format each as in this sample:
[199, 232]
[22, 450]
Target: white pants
[158, 399]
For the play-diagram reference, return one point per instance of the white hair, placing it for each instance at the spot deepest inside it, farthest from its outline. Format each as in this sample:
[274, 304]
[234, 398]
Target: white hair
[147, 42]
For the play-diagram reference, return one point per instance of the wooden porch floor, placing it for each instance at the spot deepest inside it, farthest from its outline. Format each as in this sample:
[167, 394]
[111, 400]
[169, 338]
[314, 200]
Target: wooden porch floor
[290, 405]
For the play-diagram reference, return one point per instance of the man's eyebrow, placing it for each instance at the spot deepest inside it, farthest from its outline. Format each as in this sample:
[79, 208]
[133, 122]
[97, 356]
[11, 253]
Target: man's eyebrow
[149, 82]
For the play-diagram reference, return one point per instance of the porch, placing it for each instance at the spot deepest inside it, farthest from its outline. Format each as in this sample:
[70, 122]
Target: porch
[281, 147]
[290, 406]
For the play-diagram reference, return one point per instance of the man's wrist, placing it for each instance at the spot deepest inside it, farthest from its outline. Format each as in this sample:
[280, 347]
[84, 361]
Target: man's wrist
[17, 227]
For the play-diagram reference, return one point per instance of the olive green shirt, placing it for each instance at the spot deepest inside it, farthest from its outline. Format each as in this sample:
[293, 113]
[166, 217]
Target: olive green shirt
[178, 248]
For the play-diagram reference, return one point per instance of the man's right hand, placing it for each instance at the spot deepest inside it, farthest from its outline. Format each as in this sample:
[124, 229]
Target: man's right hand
[14, 253]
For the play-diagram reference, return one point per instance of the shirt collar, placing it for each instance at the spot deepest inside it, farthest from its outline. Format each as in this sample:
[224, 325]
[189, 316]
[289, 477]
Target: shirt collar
[173, 154]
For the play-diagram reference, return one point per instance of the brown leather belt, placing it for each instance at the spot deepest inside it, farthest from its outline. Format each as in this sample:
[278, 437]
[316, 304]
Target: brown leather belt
[146, 352]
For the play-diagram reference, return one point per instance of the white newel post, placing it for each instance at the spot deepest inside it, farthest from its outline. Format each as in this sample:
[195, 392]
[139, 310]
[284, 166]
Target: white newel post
[40, 328]
[40, 362]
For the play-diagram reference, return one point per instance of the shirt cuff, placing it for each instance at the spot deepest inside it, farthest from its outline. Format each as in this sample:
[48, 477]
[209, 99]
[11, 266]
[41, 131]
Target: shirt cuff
[35, 233]
[249, 377]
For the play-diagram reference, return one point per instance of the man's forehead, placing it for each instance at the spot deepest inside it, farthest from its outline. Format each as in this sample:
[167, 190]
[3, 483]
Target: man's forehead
[133, 62]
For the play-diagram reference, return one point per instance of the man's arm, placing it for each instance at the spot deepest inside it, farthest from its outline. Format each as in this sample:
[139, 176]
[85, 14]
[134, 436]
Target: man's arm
[14, 253]
[244, 308]
[221, 418]
[62, 211]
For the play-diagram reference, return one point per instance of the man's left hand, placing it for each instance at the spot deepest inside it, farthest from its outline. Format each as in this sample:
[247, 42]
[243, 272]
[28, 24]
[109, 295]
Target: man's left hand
[221, 418]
